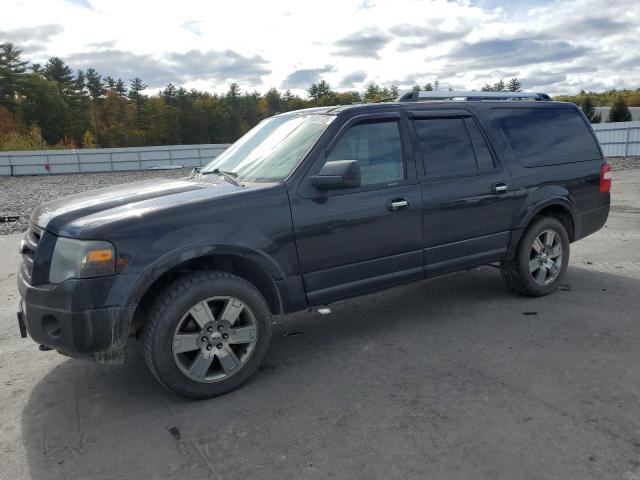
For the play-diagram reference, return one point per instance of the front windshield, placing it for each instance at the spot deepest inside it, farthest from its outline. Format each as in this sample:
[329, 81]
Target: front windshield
[270, 150]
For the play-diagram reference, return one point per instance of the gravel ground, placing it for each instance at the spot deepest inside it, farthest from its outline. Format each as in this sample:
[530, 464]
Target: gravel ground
[624, 163]
[20, 195]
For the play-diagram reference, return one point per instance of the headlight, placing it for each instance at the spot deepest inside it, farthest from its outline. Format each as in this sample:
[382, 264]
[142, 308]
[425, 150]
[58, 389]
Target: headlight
[81, 259]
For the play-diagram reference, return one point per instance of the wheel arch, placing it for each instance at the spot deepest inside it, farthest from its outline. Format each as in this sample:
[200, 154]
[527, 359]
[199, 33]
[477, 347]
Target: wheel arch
[247, 265]
[560, 208]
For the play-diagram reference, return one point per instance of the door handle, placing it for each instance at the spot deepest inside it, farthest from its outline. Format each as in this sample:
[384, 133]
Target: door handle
[499, 187]
[398, 204]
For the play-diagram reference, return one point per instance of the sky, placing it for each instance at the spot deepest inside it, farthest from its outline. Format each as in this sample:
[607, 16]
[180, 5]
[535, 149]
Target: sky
[551, 46]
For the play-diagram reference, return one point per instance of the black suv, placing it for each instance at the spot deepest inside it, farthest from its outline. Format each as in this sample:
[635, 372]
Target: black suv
[307, 208]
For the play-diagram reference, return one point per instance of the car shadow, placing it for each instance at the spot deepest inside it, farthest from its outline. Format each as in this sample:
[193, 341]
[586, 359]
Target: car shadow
[115, 421]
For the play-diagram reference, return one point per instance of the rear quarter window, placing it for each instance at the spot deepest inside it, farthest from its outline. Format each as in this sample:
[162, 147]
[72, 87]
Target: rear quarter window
[547, 136]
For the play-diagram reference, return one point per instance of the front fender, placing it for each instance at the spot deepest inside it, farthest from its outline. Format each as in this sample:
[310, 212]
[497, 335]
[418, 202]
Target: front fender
[169, 260]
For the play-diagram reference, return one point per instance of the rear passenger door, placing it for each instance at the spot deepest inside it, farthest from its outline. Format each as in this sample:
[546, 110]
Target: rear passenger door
[467, 196]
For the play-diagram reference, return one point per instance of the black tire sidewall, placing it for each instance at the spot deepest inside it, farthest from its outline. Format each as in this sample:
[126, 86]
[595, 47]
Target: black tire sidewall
[192, 292]
[522, 260]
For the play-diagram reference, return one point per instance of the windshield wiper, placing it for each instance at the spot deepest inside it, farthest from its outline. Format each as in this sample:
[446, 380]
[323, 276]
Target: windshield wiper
[228, 176]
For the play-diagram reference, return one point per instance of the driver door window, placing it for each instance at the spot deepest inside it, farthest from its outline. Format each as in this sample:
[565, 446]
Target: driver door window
[378, 149]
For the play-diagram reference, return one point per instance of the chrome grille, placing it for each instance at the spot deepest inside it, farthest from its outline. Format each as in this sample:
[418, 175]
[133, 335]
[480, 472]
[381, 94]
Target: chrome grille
[28, 249]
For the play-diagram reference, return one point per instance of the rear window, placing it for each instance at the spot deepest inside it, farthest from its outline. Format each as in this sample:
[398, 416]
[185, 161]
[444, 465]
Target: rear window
[547, 136]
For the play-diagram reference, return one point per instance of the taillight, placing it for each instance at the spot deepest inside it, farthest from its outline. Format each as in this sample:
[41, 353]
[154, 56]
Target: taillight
[605, 178]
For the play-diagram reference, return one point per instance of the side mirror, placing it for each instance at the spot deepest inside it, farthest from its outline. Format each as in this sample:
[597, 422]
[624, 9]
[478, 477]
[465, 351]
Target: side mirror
[337, 174]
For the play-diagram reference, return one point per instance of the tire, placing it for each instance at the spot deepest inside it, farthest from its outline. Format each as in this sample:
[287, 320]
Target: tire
[518, 273]
[212, 365]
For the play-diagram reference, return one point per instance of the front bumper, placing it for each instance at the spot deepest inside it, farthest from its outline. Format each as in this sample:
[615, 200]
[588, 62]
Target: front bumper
[78, 317]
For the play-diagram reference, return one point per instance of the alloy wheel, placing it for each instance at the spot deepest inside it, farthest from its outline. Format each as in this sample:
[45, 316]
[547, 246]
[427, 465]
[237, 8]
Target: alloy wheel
[214, 339]
[545, 257]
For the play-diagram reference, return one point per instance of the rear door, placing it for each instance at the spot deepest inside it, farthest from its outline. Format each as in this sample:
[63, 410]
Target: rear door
[468, 199]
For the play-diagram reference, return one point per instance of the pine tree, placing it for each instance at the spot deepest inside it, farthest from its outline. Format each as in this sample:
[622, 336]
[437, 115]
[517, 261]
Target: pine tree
[109, 83]
[135, 93]
[11, 68]
[42, 104]
[619, 111]
[77, 97]
[325, 94]
[94, 84]
[80, 82]
[96, 92]
[313, 92]
[120, 88]
[513, 85]
[234, 92]
[321, 93]
[372, 93]
[274, 102]
[10, 59]
[57, 71]
[589, 110]
[499, 86]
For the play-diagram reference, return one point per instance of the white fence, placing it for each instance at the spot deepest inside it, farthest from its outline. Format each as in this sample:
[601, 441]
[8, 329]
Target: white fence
[107, 159]
[620, 139]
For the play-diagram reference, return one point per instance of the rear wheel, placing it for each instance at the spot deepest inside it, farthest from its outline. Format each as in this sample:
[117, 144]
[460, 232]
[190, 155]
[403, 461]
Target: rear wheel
[541, 258]
[207, 333]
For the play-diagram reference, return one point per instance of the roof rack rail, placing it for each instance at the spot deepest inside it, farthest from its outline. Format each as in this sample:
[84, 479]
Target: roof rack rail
[422, 95]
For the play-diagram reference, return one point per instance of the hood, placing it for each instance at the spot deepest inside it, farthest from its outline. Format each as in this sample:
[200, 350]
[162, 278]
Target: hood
[126, 199]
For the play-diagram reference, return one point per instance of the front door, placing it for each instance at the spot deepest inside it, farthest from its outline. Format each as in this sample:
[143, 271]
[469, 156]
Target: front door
[354, 240]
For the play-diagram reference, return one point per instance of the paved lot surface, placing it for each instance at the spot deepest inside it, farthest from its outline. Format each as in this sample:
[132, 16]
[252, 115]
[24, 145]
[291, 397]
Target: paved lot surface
[452, 378]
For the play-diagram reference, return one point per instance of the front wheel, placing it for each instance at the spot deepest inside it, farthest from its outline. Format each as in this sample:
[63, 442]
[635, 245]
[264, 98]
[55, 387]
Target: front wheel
[541, 259]
[207, 333]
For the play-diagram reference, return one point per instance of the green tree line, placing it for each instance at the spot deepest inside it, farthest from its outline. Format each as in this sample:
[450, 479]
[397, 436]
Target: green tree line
[52, 106]
[618, 100]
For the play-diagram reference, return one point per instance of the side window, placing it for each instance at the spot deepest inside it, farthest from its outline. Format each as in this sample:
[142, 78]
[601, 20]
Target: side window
[377, 148]
[547, 136]
[451, 147]
[483, 156]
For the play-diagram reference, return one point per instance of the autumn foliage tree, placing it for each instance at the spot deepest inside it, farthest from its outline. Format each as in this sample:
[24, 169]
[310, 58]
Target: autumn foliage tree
[51, 106]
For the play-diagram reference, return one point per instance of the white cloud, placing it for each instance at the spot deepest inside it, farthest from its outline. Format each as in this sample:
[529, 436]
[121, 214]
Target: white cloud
[558, 46]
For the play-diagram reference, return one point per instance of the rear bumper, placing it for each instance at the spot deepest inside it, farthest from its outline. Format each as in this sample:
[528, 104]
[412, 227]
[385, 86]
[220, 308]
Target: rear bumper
[77, 317]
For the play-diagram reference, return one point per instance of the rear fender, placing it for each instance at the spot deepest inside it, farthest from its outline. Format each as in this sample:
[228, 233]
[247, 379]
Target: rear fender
[538, 200]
